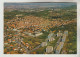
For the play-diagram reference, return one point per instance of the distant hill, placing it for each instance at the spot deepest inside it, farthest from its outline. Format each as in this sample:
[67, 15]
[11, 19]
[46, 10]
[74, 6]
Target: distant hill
[71, 7]
[38, 5]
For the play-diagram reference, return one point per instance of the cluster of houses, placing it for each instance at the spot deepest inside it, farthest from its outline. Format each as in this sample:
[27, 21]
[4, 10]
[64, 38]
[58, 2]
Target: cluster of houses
[11, 47]
[32, 24]
[34, 27]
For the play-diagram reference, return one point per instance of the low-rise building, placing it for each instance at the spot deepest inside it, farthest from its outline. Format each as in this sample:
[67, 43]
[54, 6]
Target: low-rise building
[5, 43]
[38, 34]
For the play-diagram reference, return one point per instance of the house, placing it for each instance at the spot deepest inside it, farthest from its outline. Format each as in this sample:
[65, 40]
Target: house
[13, 40]
[8, 52]
[44, 44]
[5, 43]
[27, 45]
[9, 40]
[11, 45]
[49, 49]
[15, 49]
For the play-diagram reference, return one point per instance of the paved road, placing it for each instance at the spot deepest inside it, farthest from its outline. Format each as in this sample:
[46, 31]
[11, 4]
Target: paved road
[35, 48]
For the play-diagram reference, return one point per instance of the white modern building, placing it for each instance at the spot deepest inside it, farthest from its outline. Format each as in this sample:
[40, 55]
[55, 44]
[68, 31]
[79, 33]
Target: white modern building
[44, 44]
[66, 32]
[59, 47]
[59, 34]
[51, 39]
[49, 49]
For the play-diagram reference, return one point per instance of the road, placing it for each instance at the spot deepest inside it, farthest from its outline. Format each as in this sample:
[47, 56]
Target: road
[35, 48]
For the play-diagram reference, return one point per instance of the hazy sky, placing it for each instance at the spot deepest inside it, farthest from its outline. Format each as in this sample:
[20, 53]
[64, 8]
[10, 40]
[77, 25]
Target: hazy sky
[41, 4]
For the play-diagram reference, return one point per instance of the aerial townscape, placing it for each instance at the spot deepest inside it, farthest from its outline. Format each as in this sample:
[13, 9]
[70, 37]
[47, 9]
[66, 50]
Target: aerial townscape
[40, 28]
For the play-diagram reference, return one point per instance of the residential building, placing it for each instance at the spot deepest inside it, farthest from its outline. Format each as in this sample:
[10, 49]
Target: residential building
[44, 44]
[59, 47]
[64, 38]
[66, 32]
[49, 49]
[59, 34]
[51, 39]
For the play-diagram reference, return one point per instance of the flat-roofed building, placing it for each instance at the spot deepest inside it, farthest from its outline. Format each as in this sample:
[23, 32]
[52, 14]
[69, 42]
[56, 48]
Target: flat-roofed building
[51, 39]
[44, 44]
[38, 34]
[49, 49]
[50, 35]
[59, 34]
[66, 32]
[59, 47]
[64, 38]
